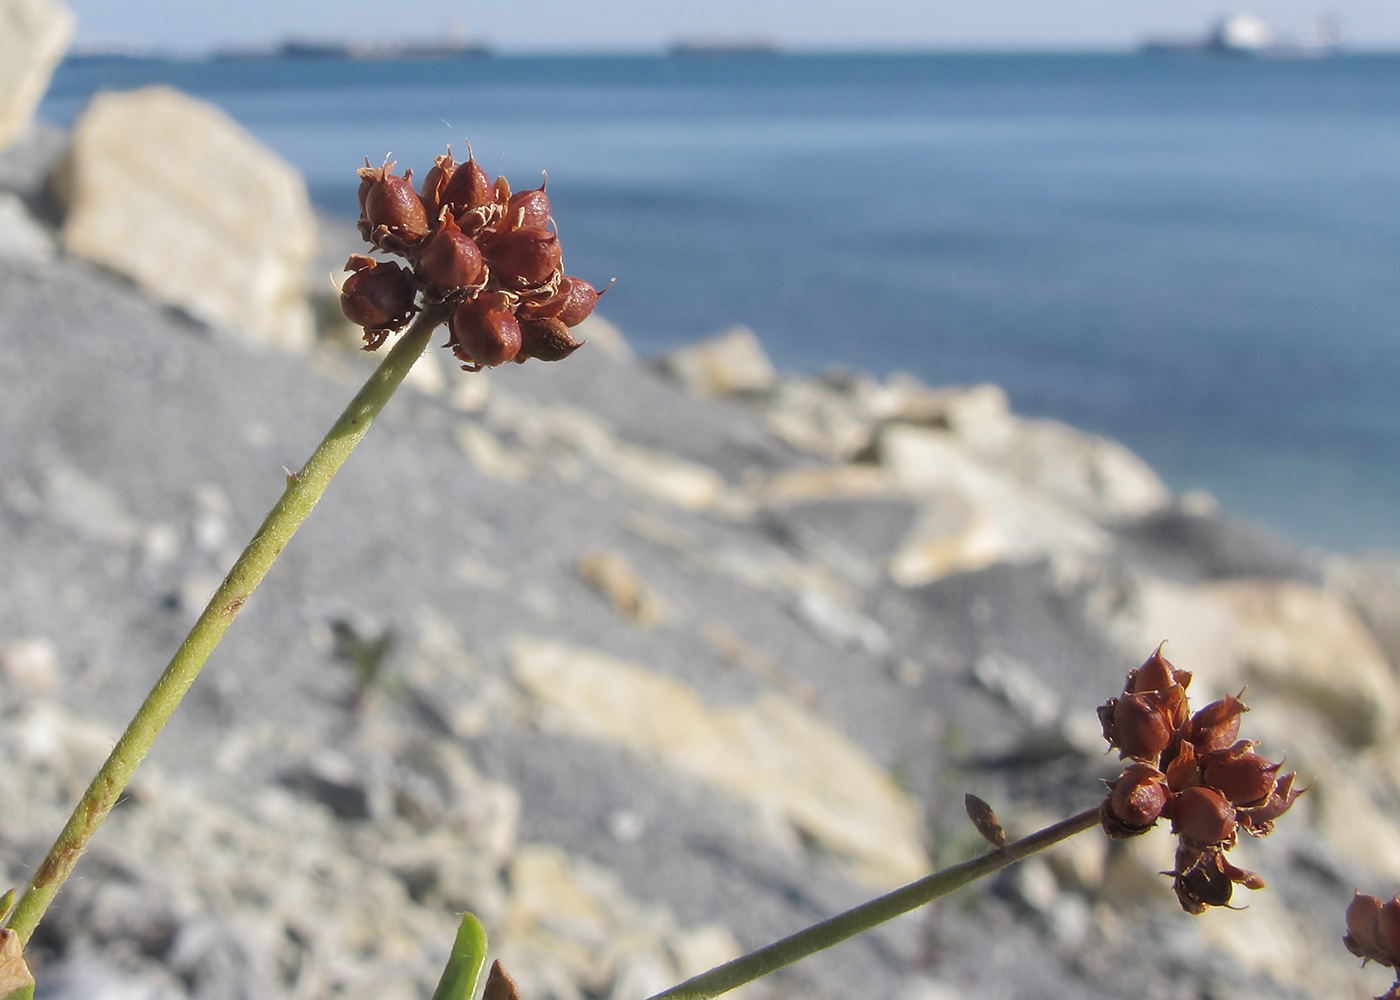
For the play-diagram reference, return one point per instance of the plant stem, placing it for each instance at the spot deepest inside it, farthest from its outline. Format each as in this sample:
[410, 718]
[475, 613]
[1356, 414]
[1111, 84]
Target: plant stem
[303, 491]
[818, 937]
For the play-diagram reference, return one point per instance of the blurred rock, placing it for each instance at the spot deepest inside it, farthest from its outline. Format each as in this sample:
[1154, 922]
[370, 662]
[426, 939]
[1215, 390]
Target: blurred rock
[734, 362]
[34, 34]
[612, 575]
[1370, 585]
[30, 665]
[173, 194]
[1300, 642]
[22, 237]
[771, 753]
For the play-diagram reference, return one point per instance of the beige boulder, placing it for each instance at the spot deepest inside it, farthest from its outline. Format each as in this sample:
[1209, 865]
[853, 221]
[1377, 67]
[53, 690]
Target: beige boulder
[734, 362]
[172, 193]
[34, 34]
[771, 752]
[1302, 643]
[974, 513]
[1370, 585]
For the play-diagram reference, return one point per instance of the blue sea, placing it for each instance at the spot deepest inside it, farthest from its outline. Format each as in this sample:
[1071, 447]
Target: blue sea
[1199, 256]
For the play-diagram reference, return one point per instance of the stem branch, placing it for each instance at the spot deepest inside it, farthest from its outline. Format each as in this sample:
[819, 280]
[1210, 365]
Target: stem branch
[818, 937]
[303, 491]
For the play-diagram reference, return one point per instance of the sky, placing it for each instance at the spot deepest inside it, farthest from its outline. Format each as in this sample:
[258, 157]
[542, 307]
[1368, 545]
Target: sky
[641, 25]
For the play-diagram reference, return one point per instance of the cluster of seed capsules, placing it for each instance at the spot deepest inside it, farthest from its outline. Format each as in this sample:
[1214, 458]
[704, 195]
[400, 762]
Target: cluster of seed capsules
[490, 256]
[1373, 934]
[1193, 771]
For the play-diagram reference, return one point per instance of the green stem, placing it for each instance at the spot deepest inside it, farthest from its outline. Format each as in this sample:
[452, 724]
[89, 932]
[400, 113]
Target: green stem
[303, 490]
[818, 937]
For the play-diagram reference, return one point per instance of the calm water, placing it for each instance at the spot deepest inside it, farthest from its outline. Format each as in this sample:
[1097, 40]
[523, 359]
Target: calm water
[1198, 256]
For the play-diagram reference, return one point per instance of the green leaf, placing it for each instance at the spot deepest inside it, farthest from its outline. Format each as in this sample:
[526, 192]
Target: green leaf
[16, 981]
[466, 968]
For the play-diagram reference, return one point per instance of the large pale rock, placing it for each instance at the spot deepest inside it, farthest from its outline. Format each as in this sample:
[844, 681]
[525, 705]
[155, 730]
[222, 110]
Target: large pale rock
[1298, 641]
[733, 362]
[172, 193]
[1370, 585]
[975, 514]
[770, 752]
[34, 34]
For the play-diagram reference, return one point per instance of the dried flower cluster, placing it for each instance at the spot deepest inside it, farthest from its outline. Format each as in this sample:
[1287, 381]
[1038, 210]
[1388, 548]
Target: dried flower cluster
[1373, 933]
[1192, 770]
[488, 254]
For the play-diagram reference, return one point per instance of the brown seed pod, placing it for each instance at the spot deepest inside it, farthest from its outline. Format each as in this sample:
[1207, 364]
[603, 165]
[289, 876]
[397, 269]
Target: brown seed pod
[1363, 936]
[435, 182]
[1388, 930]
[391, 215]
[1184, 769]
[524, 259]
[1203, 817]
[468, 190]
[484, 332]
[1259, 820]
[499, 985]
[579, 299]
[1137, 797]
[450, 260]
[1157, 674]
[1240, 774]
[546, 339]
[984, 820]
[377, 297]
[1141, 724]
[1217, 725]
[527, 209]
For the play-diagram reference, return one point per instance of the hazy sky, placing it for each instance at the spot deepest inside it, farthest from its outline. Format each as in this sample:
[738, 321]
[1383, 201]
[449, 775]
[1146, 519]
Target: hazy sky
[552, 25]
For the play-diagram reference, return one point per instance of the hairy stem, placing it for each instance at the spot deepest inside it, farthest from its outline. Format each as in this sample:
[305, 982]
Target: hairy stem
[819, 937]
[303, 491]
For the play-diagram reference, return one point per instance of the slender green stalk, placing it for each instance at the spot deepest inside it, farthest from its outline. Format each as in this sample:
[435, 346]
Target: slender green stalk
[303, 491]
[819, 937]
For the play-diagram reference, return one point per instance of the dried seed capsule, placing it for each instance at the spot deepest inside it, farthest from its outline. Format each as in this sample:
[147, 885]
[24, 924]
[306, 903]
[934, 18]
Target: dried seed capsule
[1240, 774]
[377, 297]
[546, 339]
[436, 181]
[524, 258]
[1203, 816]
[1141, 724]
[391, 215]
[484, 332]
[1157, 674]
[1137, 797]
[468, 189]
[1217, 725]
[1363, 937]
[450, 259]
[579, 299]
[1259, 820]
[1388, 931]
[528, 209]
[1184, 770]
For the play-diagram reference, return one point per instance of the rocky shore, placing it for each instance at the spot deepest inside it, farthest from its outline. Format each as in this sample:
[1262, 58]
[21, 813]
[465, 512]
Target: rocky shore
[646, 662]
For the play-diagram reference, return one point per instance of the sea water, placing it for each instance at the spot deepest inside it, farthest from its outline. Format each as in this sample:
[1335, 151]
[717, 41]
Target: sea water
[1197, 255]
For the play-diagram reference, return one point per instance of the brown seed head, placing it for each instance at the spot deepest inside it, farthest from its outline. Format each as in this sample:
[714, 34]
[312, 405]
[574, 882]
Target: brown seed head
[1388, 930]
[1157, 674]
[579, 299]
[1259, 820]
[1203, 817]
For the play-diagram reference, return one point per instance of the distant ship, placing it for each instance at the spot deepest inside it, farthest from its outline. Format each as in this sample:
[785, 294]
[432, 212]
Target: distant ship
[311, 49]
[1246, 34]
[761, 45]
